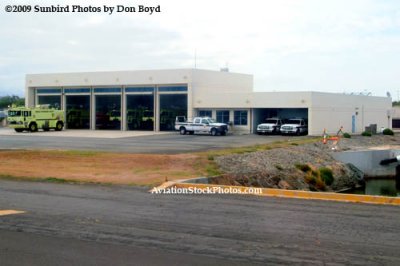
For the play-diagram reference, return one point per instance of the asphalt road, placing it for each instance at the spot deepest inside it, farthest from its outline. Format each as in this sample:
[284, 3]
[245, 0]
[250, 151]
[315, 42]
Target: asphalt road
[103, 225]
[166, 144]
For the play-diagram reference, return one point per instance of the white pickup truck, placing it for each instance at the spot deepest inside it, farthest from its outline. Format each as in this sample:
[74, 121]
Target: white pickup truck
[296, 126]
[200, 125]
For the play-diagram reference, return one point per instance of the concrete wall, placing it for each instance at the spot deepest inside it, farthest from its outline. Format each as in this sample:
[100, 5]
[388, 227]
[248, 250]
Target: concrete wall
[396, 112]
[213, 89]
[369, 161]
[291, 99]
[331, 111]
[140, 77]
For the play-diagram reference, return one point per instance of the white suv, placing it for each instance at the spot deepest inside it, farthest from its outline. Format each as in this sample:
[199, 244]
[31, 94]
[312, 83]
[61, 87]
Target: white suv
[270, 126]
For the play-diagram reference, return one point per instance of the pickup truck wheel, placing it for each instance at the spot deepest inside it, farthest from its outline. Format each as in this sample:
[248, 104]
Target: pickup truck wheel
[214, 132]
[182, 131]
[298, 133]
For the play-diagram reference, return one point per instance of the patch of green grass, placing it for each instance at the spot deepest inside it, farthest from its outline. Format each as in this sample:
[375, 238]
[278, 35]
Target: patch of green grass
[326, 175]
[262, 147]
[55, 180]
[17, 178]
[212, 169]
[303, 167]
[79, 153]
[47, 179]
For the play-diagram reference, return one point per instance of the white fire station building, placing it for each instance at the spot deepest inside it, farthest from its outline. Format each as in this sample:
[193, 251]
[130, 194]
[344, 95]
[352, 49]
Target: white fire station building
[151, 99]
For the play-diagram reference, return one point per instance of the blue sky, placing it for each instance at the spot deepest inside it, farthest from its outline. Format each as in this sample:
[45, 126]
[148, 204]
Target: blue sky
[331, 46]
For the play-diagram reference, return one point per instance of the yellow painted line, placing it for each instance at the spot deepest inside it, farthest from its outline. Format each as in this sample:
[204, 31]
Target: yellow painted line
[299, 194]
[9, 212]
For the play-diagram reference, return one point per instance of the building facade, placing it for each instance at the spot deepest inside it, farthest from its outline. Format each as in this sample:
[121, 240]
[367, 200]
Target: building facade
[151, 99]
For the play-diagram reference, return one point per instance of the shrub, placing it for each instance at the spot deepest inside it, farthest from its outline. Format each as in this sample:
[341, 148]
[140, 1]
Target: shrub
[326, 175]
[387, 131]
[317, 179]
[315, 173]
[320, 185]
[366, 134]
[303, 167]
[279, 167]
[310, 179]
[346, 135]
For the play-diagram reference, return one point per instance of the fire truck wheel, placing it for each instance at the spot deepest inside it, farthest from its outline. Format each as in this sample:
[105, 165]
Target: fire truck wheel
[33, 127]
[59, 126]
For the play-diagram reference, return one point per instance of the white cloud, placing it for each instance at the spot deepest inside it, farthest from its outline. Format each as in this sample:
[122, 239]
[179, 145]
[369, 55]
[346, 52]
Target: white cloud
[287, 44]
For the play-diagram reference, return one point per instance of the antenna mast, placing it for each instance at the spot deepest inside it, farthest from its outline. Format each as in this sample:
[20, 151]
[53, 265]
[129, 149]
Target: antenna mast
[195, 58]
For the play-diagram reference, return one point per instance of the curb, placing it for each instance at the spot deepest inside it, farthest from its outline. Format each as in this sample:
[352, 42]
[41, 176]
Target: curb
[296, 194]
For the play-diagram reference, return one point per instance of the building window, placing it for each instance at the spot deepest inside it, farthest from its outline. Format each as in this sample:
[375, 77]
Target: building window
[77, 90]
[223, 116]
[172, 88]
[96, 90]
[48, 91]
[139, 89]
[207, 113]
[240, 118]
[51, 101]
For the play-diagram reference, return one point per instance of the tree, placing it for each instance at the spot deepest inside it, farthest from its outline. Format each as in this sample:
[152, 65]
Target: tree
[6, 101]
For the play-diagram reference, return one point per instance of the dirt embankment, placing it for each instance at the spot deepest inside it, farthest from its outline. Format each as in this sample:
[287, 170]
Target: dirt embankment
[306, 167]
